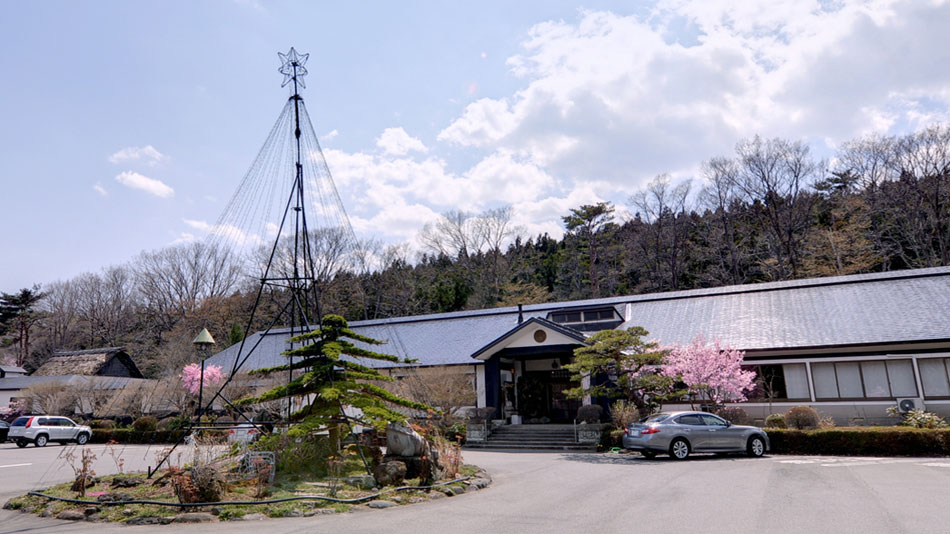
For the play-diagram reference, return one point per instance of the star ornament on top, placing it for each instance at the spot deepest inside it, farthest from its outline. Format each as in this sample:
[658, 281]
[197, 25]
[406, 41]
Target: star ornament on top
[293, 66]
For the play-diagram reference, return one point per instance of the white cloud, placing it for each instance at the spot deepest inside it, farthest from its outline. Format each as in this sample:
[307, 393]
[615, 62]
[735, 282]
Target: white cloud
[151, 186]
[147, 154]
[623, 98]
[395, 141]
[97, 187]
[330, 136]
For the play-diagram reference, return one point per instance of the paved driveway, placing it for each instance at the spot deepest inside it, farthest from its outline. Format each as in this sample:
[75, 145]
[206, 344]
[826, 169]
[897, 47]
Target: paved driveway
[555, 492]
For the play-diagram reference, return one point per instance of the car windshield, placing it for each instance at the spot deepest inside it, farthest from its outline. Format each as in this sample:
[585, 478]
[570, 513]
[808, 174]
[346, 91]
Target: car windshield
[655, 418]
[21, 421]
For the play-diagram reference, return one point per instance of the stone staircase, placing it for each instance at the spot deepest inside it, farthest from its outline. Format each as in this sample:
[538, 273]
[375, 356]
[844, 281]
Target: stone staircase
[532, 437]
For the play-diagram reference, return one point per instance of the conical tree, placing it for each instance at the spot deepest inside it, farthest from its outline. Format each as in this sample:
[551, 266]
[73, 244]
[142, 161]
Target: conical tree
[332, 378]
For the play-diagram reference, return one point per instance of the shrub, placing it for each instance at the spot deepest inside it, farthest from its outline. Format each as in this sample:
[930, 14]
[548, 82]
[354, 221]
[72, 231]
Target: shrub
[102, 423]
[146, 423]
[865, 441]
[623, 414]
[917, 418]
[775, 420]
[734, 415]
[802, 418]
[590, 413]
[128, 436]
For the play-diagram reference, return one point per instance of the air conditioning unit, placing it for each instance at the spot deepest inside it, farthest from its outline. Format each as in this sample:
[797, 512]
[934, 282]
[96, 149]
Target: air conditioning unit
[906, 405]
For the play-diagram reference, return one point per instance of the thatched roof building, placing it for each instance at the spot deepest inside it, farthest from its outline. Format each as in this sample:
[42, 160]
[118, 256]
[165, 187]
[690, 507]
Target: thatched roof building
[107, 361]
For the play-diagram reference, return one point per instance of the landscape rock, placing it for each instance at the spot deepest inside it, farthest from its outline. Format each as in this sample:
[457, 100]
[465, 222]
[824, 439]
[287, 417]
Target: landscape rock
[142, 520]
[115, 497]
[254, 517]
[436, 495]
[126, 482]
[403, 441]
[71, 515]
[382, 504]
[193, 517]
[90, 510]
[390, 473]
[361, 481]
[319, 511]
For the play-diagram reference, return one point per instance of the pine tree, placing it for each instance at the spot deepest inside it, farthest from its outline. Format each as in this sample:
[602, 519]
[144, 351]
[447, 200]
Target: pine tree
[332, 378]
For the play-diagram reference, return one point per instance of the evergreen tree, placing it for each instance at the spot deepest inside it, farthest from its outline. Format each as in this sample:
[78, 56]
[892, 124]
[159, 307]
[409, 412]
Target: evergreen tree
[332, 379]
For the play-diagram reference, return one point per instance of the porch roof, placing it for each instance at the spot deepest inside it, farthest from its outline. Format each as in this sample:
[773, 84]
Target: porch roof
[502, 341]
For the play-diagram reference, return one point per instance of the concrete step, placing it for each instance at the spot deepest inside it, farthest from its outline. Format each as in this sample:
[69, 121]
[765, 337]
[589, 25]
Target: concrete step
[531, 446]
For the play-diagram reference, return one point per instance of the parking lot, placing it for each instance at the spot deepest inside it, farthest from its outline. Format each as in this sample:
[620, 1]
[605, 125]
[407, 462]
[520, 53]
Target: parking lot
[558, 492]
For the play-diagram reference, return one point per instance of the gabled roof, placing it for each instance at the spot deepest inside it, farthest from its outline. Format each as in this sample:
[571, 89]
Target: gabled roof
[884, 308]
[85, 362]
[572, 334]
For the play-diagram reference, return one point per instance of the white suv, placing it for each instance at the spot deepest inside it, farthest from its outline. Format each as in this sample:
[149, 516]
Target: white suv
[41, 429]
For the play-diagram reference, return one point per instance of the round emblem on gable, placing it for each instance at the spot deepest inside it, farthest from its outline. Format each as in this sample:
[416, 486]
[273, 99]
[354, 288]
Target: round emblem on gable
[540, 336]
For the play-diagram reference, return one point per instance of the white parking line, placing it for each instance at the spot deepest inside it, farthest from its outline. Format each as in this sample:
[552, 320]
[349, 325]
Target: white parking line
[14, 465]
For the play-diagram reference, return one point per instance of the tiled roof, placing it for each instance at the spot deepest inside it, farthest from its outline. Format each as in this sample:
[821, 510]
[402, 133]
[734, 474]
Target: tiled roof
[893, 307]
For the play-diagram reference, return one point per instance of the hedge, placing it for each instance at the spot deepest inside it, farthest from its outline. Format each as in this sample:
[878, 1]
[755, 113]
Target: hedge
[865, 441]
[130, 436]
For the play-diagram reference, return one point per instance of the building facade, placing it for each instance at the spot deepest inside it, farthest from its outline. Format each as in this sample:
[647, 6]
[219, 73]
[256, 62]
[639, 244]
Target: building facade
[850, 346]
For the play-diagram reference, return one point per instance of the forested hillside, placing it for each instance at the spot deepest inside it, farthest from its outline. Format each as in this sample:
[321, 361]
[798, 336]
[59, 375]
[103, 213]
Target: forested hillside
[770, 211]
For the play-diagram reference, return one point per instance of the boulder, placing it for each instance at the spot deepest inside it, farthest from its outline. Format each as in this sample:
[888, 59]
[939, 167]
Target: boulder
[71, 515]
[382, 504]
[403, 441]
[390, 473]
[126, 482]
[193, 517]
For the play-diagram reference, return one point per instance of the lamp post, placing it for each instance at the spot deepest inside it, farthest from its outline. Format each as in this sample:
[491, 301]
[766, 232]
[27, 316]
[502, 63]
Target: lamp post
[203, 344]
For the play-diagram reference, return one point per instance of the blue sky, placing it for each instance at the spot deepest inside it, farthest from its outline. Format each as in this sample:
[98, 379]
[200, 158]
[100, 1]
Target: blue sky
[123, 125]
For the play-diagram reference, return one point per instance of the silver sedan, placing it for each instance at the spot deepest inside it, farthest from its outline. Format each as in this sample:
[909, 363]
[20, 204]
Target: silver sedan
[681, 433]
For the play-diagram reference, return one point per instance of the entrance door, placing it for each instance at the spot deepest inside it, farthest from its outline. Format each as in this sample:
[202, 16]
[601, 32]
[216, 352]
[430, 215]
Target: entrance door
[541, 397]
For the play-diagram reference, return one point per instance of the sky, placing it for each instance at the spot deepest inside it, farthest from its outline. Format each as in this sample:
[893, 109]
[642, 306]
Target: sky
[126, 126]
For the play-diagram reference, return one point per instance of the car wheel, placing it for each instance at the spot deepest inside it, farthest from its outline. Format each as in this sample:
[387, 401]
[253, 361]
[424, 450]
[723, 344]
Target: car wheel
[21, 443]
[679, 449]
[649, 455]
[756, 447]
[41, 440]
[82, 439]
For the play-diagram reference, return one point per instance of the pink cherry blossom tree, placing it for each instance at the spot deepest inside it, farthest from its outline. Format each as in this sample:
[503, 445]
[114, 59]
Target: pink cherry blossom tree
[712, 372]
[191, 376]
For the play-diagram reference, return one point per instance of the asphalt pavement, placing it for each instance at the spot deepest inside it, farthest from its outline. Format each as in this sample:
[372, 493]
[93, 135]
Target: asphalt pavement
[605, 493]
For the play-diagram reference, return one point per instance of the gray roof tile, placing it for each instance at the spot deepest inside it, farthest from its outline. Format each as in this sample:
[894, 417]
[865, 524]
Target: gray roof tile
[889, 307]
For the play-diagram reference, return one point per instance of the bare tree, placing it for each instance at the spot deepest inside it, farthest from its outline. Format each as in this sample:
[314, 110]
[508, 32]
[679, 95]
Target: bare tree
[778, 173]
[52, 398]
[664, 206]
[719, 197]
[454, 234]
[175, 280]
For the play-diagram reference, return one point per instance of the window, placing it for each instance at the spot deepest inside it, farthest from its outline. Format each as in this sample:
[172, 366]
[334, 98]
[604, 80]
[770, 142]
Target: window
[598, 315]
[780, 382]
[935, 377]
[588, 316]
[689, 420]
[712, 420]
[881, 379]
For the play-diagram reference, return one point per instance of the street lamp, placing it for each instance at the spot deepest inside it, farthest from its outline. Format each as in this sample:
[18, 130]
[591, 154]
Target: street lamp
[203, 344]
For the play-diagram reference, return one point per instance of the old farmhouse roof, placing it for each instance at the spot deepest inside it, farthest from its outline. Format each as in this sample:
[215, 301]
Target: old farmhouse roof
[111, 361]
[911, 306]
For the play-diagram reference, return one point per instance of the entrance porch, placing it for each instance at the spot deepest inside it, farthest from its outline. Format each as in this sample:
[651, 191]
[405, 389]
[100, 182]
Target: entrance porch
[523, 377]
